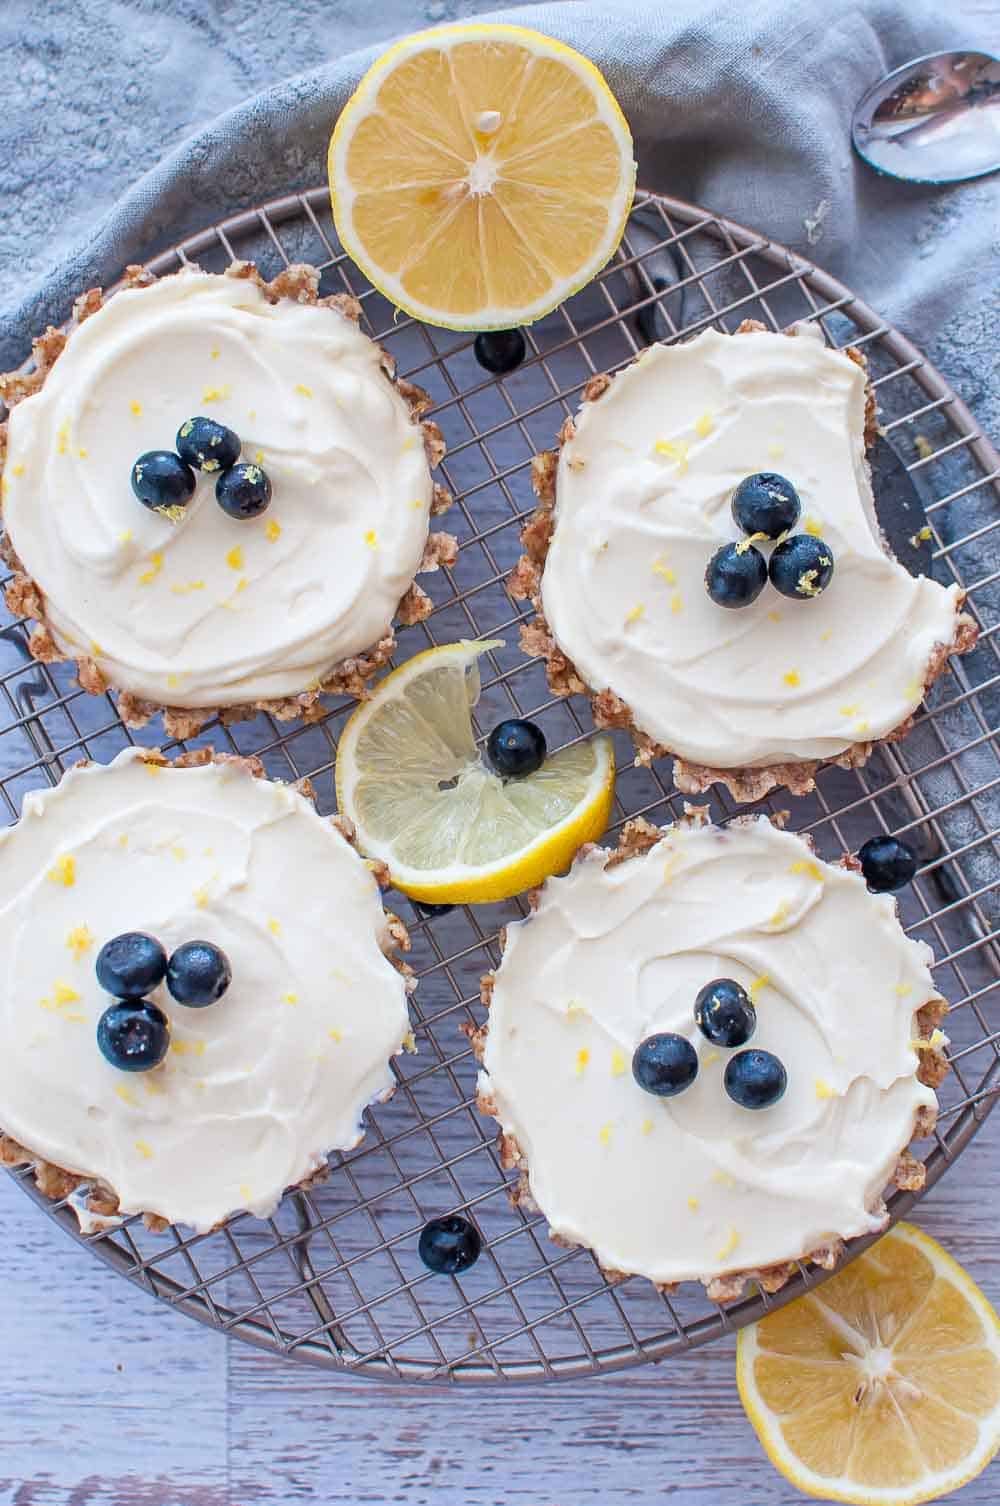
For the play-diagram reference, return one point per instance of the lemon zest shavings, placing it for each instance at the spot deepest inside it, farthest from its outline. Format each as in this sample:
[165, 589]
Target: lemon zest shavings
[732, 1241]
[155, 566]
[79, 940]
[63, 871]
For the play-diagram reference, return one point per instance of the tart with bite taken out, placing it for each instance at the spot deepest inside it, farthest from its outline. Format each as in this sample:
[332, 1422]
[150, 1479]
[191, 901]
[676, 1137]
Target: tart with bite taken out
[706, 564]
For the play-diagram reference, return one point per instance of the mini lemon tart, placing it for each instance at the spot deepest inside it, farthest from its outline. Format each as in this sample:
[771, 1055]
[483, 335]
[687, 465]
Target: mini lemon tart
[188, 607]
[631, 512]
[252, 1091]
[746, 1160]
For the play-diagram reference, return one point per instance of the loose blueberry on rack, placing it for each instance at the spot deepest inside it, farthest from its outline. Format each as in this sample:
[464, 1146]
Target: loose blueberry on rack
[665, 1064]
[427, 912]
[887, 863]
[133, 1035]
[244, 491]
[766, 503]
[801, 566]
[162, 479]
[499, 350]
[128, 966]
[449, 1245]
[516, 748]
[198, 974]
[724, 1013]
[755, 1079]
[736, 575]
[207, 444]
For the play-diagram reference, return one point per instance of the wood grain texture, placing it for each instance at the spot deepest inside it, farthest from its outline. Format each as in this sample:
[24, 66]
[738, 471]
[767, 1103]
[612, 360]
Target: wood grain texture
[112, 1400]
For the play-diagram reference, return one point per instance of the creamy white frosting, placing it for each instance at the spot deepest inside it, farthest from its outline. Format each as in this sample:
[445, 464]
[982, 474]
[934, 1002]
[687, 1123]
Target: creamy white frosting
[623, 588]
[168, 610]
[695, 1186]
[255, 1089]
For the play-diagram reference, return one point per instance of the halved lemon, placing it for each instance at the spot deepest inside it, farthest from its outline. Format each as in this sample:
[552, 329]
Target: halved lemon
[480, 174]
[881, 1388]
[410, 777]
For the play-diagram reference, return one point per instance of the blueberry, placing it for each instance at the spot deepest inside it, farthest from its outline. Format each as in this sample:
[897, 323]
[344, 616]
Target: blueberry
[736, 575]
[725, 1014]
[665, 1064]
[801, 566]
[128, 966]
[427, 912]
[449, 1245]
[766, 503]
[516, 748]
[208, 445]
[161, 479]
[133, 1035]
[198, 974]
[243, 491]
[500, 350]
[755, 1079]
[887, 863]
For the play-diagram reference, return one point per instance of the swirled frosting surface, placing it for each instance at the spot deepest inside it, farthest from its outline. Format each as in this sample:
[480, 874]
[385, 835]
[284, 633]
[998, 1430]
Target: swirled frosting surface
[696, 1186]
[256, 1089]
[643, 501]
[210, 611]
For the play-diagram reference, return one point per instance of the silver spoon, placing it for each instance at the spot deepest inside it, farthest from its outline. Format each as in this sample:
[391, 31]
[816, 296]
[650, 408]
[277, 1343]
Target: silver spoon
[935, 120]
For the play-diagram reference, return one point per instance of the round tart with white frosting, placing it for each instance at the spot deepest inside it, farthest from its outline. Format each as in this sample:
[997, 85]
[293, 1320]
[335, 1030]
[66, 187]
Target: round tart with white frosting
[697, 1186]
[255, 1089]
[636, 503]
[188, 608]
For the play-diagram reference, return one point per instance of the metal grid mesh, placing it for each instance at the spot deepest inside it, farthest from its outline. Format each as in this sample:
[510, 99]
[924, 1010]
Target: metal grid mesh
[334, 1276]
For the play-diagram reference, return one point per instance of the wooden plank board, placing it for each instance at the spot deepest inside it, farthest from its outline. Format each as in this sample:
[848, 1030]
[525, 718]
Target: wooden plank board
[114, 1401]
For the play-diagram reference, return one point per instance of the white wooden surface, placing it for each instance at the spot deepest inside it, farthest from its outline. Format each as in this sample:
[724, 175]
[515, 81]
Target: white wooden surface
[110, 1399]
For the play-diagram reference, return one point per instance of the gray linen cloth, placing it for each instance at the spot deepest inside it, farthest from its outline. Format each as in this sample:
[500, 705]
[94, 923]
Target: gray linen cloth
[742, 106]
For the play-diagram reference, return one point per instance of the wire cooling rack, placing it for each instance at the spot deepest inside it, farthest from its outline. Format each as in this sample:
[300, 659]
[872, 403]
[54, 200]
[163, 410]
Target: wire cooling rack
[334, 1276]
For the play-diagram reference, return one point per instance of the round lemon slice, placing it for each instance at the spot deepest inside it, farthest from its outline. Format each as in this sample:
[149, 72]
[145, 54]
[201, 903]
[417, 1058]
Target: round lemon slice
[410, 777]
[882, 1388]
[480, 174]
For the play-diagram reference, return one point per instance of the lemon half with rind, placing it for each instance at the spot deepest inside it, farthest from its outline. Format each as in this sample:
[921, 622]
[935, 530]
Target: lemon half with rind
[480, 174]
[411, 779]
[881, 1388]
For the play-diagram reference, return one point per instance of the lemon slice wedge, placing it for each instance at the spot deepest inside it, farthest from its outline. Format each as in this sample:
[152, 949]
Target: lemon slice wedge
[480, 174]
[882, 1388]
[410, 777]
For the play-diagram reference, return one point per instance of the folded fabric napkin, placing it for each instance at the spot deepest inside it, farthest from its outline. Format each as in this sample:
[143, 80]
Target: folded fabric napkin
[743, 108]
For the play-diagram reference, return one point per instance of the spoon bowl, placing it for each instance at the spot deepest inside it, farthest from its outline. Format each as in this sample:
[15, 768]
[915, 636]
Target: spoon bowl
[934, 120]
